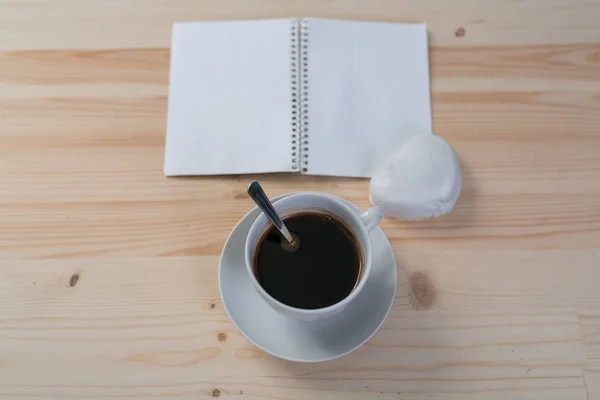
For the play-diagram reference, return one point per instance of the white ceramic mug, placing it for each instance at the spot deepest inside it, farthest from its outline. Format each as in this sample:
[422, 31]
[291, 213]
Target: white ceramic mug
[297, 202]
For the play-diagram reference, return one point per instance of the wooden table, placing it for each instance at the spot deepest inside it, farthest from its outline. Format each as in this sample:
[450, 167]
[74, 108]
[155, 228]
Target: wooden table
[108, 270]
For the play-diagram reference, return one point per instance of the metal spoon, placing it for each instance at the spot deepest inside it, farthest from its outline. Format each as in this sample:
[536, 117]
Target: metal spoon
[262, 201]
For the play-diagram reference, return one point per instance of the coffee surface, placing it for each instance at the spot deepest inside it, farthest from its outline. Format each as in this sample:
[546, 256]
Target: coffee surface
[321, 272]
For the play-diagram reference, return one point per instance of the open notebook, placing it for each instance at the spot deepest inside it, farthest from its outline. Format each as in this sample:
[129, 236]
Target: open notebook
[316, 96]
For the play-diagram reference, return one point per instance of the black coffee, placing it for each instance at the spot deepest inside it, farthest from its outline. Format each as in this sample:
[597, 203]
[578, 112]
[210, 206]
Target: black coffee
[321, 272]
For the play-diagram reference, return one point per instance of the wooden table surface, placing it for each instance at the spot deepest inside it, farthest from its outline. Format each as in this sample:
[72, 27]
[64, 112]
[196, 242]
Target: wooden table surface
[108, 270]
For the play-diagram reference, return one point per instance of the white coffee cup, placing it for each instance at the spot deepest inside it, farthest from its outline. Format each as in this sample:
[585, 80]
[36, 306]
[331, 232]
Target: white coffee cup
[311, 201]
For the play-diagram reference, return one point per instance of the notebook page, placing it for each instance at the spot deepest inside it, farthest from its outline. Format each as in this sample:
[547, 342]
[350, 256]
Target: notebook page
[368, 91]
[229, 98]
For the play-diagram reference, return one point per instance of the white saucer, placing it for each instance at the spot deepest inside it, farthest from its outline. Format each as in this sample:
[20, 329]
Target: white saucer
[303, 341]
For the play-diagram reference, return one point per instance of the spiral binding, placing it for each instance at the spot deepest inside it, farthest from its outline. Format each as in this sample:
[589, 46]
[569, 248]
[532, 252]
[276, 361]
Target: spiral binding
[295, 79]
[299, 79]
[303, 85]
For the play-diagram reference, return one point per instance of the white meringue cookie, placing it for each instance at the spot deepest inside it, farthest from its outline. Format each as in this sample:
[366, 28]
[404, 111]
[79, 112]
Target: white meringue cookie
[421, 181]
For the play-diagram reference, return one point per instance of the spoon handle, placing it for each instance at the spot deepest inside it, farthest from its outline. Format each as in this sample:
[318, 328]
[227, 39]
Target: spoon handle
[262, 201]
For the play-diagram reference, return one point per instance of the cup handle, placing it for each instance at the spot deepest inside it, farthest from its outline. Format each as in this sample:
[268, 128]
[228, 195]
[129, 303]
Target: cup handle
[372, 217]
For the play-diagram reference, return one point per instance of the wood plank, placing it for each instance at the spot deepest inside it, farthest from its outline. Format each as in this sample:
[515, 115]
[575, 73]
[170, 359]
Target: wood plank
[119, 24]
[159, 322]
[69, 202]
[454, 69]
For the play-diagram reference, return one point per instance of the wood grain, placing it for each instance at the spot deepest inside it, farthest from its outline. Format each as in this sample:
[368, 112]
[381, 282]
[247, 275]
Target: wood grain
[118, 24]
[108, 270]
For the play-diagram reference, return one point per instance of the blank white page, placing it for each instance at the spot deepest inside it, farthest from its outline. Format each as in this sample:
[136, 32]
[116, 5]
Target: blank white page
[368, 90]
[229, 98]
